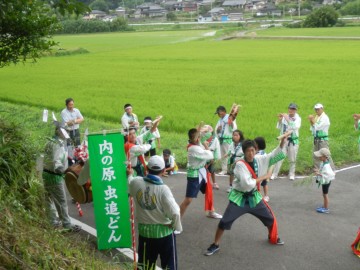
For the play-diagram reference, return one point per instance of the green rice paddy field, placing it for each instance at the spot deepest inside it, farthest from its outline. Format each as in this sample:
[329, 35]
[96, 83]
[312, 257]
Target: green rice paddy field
[185, 75]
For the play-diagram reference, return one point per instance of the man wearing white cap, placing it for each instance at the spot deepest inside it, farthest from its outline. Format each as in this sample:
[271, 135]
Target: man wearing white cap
[157, 215]
[290, 121]
[129, 119]
[324, 176]
[320, 124]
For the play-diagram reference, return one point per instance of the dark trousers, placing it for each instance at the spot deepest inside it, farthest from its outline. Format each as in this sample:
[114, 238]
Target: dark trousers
[234, 211]
[150, 248]
[74, 137]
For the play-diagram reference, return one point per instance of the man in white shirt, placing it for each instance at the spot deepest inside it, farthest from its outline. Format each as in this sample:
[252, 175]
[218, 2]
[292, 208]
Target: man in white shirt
[290, 121]
[157, 215]
[223, 130]
[319, 126]
[71, 120]
[129, 119]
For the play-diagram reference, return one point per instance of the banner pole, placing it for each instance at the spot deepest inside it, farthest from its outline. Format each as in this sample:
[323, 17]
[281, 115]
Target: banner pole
[132, 218]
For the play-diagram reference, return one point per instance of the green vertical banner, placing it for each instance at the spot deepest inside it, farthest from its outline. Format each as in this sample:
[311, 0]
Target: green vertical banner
[109, 187]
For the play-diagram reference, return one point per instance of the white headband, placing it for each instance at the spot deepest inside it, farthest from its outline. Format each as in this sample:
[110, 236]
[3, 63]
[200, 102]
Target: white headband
[147, 121]
[128, 107]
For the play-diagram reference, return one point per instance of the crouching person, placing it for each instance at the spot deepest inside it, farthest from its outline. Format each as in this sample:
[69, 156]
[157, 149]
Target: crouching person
[245, 196]
[157, 215]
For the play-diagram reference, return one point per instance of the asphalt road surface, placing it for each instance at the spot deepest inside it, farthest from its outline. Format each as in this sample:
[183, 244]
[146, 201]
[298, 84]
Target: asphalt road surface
[312, 240]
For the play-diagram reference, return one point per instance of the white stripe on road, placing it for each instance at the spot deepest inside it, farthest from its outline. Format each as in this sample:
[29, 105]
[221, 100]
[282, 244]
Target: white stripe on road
[299, 177]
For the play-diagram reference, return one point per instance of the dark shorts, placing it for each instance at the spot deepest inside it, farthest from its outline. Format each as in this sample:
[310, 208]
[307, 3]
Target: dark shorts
[234, 211]
[211, 168]
[264, 183]
[150, 248]
[193, 186]
[151, 152]
[325, 188]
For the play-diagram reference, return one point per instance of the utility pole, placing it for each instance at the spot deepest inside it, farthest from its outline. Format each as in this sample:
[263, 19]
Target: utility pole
[299, 9]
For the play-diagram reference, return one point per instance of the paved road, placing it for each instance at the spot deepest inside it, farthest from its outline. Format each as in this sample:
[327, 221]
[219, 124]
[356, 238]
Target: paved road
[312, 241]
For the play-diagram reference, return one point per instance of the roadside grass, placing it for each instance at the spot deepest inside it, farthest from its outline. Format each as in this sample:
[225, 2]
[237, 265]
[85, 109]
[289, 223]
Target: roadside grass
[184, 76]
[27, 241]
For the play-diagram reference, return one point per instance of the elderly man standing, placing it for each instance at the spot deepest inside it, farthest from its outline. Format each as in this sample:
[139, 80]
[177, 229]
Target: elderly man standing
[157, 215]
[71, 120]
[223, 129]
[290, 121]
[319, 126]
[129, 119]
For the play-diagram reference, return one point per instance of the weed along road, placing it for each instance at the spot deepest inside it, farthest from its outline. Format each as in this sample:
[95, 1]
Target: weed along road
[312, 240]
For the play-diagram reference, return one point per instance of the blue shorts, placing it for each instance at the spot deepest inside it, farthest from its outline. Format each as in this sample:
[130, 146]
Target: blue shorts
[193, 186]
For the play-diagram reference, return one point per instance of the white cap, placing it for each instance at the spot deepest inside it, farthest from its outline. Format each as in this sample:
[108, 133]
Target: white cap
[322, 152]
[156, 163]
[318, 106]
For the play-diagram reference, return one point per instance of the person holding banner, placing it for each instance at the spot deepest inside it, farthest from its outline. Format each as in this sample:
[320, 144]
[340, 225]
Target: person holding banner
[245, 196]
[157, 215]
[71, 120]
[197, 177]
[55, 164]
[129, 119]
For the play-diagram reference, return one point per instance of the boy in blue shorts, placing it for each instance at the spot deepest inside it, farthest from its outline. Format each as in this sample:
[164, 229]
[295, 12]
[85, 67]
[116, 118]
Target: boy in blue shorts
[197, 180]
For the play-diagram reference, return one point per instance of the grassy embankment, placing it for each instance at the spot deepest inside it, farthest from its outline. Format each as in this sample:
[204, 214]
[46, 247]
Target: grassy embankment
[184, 76]
[27, 241]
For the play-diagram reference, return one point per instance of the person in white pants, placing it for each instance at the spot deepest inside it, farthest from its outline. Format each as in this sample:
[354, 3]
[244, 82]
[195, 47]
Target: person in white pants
[290, 121]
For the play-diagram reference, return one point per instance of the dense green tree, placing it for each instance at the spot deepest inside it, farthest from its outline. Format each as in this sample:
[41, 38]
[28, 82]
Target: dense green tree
[351, 8]
[325, 16]
[99, 5]
[171, 16]
[26, 27]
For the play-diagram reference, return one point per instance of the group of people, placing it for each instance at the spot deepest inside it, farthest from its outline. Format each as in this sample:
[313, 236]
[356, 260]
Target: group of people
[248, 167]
[244, 160]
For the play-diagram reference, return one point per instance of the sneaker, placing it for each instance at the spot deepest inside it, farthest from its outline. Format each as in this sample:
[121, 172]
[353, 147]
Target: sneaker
[73, 228]
[266, 198]
[280, 242]
[214, 215]
[319, 208]
[222, 173]
[273, 177]
[177, 232]
[216, 186]
[229, 189]
[212, 249]
[323, 210]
